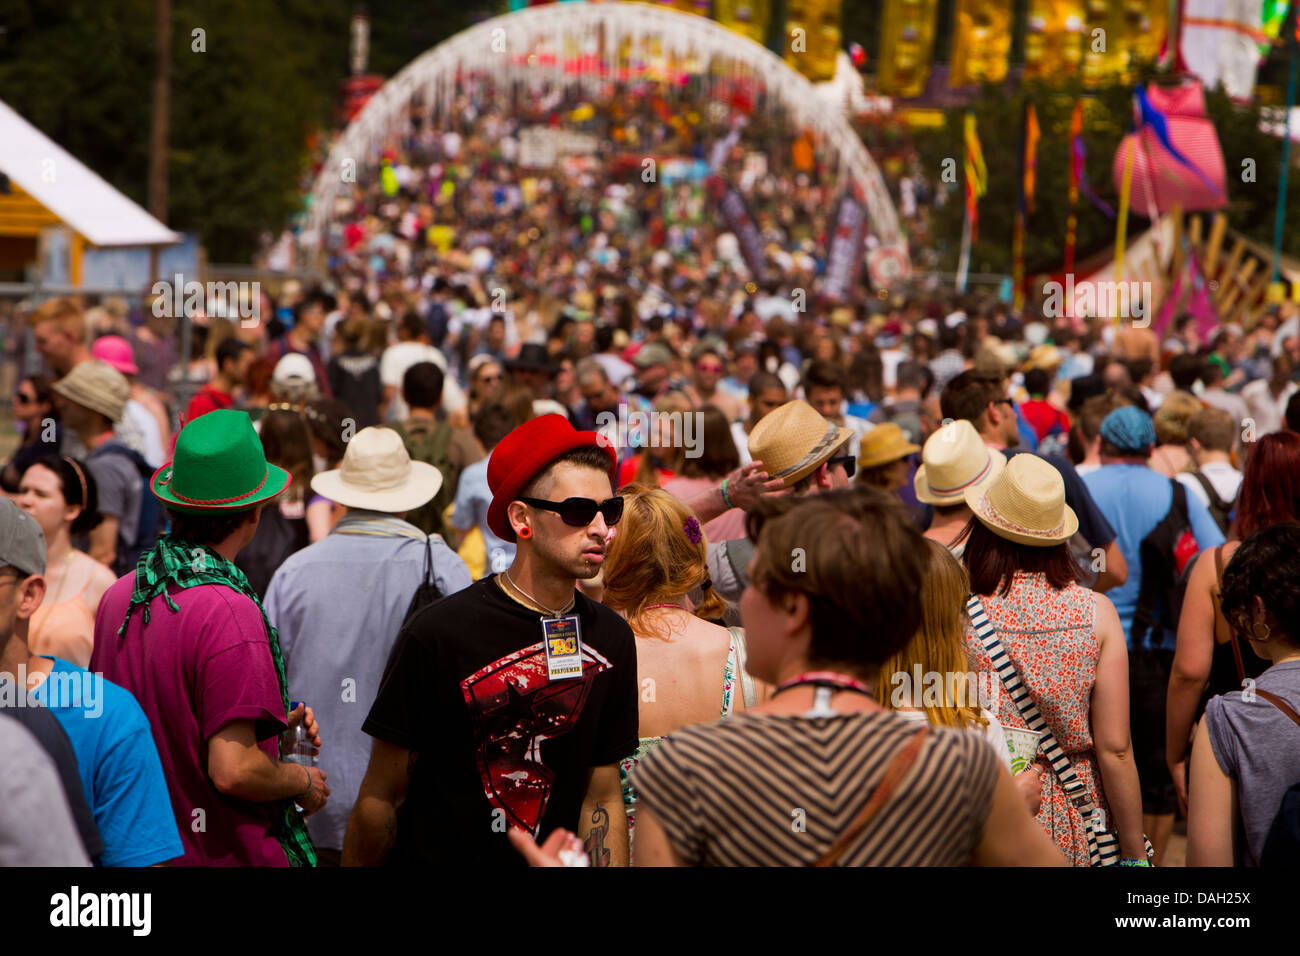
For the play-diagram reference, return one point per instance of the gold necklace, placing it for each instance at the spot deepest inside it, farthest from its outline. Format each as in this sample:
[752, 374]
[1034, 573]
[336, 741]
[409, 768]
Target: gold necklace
[535, 605]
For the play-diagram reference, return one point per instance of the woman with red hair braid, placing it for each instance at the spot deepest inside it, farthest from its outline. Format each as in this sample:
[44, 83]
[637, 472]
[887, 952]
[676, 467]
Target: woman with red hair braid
[1210, 660]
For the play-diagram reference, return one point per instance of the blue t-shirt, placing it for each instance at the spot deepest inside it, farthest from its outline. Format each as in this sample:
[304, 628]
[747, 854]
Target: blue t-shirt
[472, 499]
[1135, 499]
[119, 765]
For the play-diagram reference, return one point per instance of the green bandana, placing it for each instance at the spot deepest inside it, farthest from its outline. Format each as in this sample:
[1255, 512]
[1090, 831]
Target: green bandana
[187, 566]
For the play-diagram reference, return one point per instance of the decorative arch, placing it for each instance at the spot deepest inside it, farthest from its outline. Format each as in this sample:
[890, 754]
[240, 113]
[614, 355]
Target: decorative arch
[535, 43]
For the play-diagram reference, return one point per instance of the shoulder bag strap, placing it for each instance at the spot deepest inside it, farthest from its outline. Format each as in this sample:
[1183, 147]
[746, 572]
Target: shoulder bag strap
[746, 682]
[1280, 704]
[897, 769]
[988, 637]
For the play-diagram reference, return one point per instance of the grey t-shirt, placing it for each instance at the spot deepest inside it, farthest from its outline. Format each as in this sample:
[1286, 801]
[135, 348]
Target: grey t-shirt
[36, 826]
[120, 486]
[1258, 746]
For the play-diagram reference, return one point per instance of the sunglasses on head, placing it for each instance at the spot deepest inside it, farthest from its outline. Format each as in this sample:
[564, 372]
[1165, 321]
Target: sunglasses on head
[578, 512]
[848, 461]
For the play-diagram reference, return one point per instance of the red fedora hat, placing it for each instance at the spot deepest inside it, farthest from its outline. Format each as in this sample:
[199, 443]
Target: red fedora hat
[525, 452]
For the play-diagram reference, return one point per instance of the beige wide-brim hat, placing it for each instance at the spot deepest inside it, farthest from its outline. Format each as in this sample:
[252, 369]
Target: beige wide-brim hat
[1026, 504]
[793, 441]
[883, 444]
[97, 386]
[953, 461]
[377, 474]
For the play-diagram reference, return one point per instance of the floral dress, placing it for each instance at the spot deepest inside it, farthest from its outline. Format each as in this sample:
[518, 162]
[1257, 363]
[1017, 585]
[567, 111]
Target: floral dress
[733, 672]
[1050, 636]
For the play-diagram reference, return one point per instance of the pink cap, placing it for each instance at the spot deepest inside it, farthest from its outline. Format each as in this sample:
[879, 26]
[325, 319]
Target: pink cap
[115, 351]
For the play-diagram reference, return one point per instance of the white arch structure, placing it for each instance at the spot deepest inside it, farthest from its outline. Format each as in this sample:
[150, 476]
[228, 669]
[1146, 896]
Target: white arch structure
[510, 46]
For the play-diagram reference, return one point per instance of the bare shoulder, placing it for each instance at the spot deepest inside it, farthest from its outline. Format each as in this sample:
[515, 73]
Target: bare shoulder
[1107, 617]
[100, 578]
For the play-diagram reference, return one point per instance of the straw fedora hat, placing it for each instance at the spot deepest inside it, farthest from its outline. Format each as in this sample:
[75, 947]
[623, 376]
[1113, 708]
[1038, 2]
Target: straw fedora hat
[1026, 504]
[793, 441]
[98, 386]
[377, 474]
[954, 460]
[883, 444]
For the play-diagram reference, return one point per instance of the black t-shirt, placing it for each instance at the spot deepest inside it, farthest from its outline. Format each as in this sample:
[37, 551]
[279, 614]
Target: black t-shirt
[499, 743]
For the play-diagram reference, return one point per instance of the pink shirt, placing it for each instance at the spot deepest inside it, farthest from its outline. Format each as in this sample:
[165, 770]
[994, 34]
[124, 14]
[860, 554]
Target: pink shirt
[193, 672]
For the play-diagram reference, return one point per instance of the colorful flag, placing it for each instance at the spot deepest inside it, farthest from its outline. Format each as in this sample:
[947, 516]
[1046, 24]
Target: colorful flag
[1149, 117]
[1024, 205]
[977, 174]
[1076, 173]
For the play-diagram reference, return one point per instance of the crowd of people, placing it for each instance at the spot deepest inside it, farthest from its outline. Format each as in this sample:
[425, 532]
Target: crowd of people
[932, 584]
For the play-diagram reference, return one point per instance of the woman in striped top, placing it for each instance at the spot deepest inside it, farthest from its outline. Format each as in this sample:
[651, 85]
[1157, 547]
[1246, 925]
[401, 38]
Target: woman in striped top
[820, 773]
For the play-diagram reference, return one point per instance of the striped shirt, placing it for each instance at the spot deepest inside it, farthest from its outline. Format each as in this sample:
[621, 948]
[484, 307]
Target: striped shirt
[776, 790]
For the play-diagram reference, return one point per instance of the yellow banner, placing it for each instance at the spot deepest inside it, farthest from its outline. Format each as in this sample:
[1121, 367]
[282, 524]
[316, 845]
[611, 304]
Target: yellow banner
[749, 18]
[812, 37]
[906, 46]
[981, 42]
[1054, 38]
[1120, 35]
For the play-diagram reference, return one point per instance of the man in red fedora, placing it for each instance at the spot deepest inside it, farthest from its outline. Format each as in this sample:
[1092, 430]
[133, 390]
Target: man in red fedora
[187, 635]
[512, 702]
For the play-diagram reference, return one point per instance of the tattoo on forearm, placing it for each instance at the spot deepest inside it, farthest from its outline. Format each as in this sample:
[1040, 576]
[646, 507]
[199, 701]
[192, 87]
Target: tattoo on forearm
[595, 843]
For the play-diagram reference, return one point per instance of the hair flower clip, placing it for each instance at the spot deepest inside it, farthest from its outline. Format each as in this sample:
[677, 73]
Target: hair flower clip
[692, 528]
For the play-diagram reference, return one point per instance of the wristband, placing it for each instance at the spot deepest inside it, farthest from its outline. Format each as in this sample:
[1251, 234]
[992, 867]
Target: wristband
[1146, 863]
[725, 500]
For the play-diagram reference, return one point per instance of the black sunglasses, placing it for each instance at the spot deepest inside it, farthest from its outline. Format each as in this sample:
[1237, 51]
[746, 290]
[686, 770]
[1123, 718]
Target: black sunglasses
[578, 512]
[848, 461]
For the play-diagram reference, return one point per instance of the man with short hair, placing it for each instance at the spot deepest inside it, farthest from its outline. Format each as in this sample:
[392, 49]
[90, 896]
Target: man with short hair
[1216, 395]
[187, 635]
[116, 760]
[512, 702]
[233, 359]
[826, 390]
[433, 441]
[652, 361]
[601, 397]
[980, 398]
[913, 381]
[412, 348]
[707, 369]
[1211, 435]
[308, 323]
[92, 399]
[1135, 499]
[59, 331]
[338, 604]
[766, 394]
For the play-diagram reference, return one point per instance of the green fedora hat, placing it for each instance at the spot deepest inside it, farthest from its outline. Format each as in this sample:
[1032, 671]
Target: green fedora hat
[218, 465]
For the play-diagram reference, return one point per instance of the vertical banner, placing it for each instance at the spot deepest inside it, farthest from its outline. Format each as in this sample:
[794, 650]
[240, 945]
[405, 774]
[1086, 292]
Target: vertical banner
[1076, 175]
[981, 42]
[844, 252]
[976, 175]
[1024, 204]
[812, 37]
[1054, 39]
[906, 46]
[749, 18]
[740, 222]
[1130, 148]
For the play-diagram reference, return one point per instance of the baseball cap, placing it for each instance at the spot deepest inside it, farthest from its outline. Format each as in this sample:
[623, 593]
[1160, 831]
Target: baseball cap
[22, 543]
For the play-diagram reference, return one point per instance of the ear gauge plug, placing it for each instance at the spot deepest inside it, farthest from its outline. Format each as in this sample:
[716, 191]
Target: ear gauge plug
[525, 532]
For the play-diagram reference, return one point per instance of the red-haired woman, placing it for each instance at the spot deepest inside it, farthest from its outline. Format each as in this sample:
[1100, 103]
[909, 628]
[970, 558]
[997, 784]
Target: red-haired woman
[1209, 659]
[690, 670]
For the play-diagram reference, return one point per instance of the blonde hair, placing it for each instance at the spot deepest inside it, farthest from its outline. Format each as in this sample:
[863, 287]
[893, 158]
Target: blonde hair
[652, 559]
[1174, 416]
[938, 646]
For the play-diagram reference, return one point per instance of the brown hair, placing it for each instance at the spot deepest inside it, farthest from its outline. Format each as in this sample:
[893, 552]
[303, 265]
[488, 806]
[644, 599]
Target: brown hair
[286, 442]
[992, 561]
[1213, 428]
[66, 313]
[652, 558]
[718, 456]
[859, 560]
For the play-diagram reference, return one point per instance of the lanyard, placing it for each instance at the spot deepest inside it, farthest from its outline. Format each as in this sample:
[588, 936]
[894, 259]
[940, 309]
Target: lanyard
[830, 679]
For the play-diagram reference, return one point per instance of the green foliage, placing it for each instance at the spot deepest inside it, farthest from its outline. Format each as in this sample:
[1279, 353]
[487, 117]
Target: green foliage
[1107, 117]
[242, 112]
